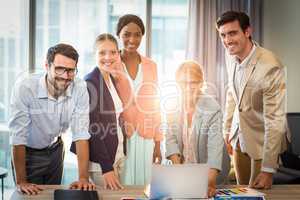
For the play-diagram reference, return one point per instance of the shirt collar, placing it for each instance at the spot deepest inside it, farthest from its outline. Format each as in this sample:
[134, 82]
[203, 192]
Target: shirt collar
[244, 63]
[43, 91]
[70, 89]
[42, 87]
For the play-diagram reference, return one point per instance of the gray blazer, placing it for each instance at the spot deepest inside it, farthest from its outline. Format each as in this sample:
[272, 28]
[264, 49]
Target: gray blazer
[209, 144]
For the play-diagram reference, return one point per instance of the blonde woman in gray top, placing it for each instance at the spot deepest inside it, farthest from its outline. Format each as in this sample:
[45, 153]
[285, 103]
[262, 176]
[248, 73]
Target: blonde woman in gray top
[195, 130]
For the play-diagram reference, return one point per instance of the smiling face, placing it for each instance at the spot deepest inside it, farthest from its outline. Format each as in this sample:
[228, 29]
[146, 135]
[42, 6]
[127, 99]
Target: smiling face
[189, 77]
[131, 36]
[106, 53]
[190, 86]
[60, 81]
[234, 39]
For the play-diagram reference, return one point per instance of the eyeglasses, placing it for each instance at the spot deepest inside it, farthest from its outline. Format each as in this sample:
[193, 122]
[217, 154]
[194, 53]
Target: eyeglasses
[60, 70]
[189, 83]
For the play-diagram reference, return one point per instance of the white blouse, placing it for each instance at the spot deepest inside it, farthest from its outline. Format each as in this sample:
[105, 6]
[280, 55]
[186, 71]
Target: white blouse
[138, 79]
[188, 138]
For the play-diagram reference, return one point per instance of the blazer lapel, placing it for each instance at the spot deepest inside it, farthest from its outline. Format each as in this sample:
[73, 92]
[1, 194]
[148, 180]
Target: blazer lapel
[235, 97]
[101, 87]
[249, 70]
[231, 74]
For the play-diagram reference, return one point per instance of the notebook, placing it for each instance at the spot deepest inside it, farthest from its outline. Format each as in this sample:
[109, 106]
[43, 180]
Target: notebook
[75, 194]
[240, 193]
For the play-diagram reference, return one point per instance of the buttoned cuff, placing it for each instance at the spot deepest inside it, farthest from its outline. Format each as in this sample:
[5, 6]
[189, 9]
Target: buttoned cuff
[172, 149]
[268, 170]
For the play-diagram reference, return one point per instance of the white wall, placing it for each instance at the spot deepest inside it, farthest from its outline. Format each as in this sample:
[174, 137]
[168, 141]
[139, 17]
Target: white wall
[281, 34]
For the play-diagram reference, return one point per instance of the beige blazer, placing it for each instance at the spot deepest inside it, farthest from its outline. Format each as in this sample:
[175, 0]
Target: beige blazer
[261, 107]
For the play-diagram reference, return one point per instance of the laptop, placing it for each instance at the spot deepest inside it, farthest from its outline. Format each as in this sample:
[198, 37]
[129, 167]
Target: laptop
[184, 181]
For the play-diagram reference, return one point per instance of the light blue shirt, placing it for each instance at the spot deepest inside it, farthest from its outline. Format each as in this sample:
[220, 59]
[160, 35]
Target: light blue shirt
[37, 118]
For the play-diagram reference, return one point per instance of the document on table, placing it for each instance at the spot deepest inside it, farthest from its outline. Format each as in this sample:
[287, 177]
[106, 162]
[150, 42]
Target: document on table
[241, 193]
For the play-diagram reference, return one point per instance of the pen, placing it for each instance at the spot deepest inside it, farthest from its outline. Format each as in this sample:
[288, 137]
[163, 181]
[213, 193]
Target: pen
[224, 192]
[230, 191]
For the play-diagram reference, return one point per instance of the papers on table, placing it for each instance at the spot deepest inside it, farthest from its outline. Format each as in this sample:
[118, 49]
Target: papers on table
[241, 193]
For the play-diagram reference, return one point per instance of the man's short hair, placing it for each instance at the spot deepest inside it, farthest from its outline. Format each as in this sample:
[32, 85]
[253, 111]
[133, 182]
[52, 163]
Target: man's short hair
[231, 16]
[63, 49]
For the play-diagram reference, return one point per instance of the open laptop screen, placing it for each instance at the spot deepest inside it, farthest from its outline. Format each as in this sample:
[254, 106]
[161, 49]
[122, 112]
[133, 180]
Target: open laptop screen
[179, 181]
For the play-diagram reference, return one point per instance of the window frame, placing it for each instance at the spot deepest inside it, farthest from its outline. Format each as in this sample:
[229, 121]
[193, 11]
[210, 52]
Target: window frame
[32, 32]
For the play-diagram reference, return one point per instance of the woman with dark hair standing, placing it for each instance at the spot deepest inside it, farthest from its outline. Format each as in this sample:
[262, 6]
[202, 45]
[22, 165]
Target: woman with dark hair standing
[143, 145]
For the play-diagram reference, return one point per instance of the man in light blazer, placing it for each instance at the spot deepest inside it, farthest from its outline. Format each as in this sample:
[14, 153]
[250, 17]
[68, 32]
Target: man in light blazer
[254, 126]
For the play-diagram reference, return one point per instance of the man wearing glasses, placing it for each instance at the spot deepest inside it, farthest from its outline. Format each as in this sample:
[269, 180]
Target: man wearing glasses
[42, 108]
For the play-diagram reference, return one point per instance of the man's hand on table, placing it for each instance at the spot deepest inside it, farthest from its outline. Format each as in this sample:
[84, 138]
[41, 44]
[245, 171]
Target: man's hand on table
[263, 181]
[29, 188]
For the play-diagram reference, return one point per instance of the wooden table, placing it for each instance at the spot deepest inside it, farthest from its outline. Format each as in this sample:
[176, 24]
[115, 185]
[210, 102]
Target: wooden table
[278, 192]
[134, 191]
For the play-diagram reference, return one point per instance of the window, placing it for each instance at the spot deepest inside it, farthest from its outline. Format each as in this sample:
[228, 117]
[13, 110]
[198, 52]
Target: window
[169, 25]
[75, 22]
[13, 62]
